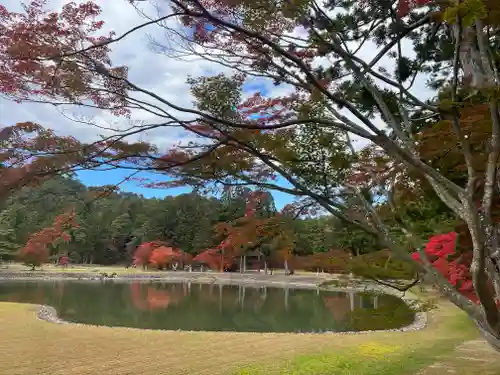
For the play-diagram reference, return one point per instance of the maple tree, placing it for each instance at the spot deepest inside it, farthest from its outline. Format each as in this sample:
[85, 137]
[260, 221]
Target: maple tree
[36, 251]
[143, 252]
[305, 135]
[159, 255]
[256, 229]
[163, 256]
[28, 155]
[215, 260]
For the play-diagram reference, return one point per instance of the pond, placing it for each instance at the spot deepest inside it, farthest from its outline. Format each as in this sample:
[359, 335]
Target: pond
[208, 307]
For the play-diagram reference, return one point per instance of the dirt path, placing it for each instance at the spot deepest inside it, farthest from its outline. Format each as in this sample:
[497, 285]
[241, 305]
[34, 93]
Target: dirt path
[470, 357]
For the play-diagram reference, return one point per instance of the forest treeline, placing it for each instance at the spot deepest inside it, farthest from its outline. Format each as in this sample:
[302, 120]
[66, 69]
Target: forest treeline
[111, 227]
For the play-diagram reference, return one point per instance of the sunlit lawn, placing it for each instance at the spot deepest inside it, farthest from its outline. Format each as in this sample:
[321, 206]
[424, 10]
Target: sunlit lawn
[31, 346]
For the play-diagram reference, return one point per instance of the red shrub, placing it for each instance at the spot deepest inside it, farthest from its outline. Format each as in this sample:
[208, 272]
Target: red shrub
[143, 253]
[163, 256]
[159, 255]
[440, 251]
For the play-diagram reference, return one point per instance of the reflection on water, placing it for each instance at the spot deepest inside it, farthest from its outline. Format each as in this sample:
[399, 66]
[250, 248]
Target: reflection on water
[210, 307]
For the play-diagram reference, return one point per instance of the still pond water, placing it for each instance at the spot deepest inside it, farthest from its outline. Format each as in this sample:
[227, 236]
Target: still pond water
[205, 307]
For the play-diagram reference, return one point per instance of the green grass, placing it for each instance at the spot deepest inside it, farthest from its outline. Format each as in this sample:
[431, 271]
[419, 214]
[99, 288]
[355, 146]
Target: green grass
[396, 361]
[33, 347]
[383, 353]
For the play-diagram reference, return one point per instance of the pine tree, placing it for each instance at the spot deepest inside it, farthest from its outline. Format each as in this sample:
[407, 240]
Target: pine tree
[8, 238]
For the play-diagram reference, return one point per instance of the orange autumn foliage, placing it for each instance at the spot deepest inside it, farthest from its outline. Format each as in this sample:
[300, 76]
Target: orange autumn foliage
[159, 255]
[163, 256]
[215, 259]
[36, 251]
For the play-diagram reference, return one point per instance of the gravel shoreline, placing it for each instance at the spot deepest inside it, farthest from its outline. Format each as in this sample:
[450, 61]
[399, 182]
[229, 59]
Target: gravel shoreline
[48, 313]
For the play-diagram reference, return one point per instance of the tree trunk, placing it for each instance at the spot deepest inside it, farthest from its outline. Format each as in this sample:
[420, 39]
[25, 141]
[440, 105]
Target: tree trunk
[470, 57]
[489, 337]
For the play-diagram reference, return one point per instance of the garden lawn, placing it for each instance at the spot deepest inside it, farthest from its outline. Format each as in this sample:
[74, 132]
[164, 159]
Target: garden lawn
[34, 347]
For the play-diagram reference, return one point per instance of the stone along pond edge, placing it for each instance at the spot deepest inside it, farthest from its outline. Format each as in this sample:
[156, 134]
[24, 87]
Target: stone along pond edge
[49, 313]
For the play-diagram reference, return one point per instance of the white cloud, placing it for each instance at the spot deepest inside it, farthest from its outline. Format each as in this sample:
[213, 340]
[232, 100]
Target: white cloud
[157, 73]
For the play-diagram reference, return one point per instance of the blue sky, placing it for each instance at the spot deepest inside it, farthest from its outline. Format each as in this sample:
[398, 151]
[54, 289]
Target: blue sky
[100, 178]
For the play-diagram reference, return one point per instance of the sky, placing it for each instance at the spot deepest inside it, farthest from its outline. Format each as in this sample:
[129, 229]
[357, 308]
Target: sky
[164, 75]
[96, 178]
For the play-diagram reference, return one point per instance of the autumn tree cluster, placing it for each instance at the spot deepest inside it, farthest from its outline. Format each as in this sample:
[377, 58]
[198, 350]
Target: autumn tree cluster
[111, 227]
